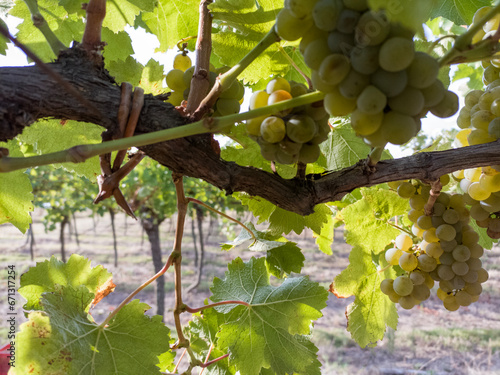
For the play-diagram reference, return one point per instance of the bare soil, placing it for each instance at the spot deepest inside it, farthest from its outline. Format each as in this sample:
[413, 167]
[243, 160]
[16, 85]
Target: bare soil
[429, 339]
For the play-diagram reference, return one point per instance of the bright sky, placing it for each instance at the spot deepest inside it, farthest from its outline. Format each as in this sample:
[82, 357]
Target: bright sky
[144, 45]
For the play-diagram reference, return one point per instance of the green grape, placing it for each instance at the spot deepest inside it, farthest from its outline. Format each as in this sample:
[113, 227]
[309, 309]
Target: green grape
[406, 190]
[268, 150]
[472, 98]
[317, 112]
[175, 80]
[227, 106]
[390, 83]
[386, 286]
[408, 261]
[298, 89]
[445, 272]
[273, 129]
[396, 54]
[321, 85]
[312, 34]
[450, 303]
[461, 253]
[479, 136]
[446, 286]
[478, 213]
[347, 21]
[480, 13]
[476, 251]
[409, 102]
[359, 5]
[285, 158]
[290, 147]
[315, 52]
[460, 268]
[445, 232]
[334, 68]
[353, 84]
[481, 119]
[398, 128]
[470, 277]
[301, 128]
[423, 70]
[309, 153]
[376, 139]
[458, 282]
[417, 231]
[403, 242]
[413, 215]
[463, 298]
[433, 94]
[279, 96]
[446, 107]
[403, 286]
[483, 275]
[474, 264]
[451, 216]
[420, 292]
[188, 75]
[289, 27]
[424, 222]
[477, 192]
[426, 263]
[438, 209]
[253, 125]
[490, 74]
[494, 128]
[491, 204]
[417, 277]
[371, 101]
[182, 62]
[437, 221]
[473, 174]
[469, 237]
[417, 202]
[392, 256]
[258, 99]
[407, 302]
[326, 14]
[278, 83]
[365, 59]
[300, 8]
[463, 119]
[495, 106]
[175, 98]
[441, 294]
[337, 105]
[341, 43]
[434, 250]
[232, 91]
[323, 131]
[372, 28]
[488, 97]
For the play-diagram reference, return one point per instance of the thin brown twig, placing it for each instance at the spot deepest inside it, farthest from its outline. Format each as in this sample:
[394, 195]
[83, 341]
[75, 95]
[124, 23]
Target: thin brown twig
[179, 361]
[206, 364]
[65, 85]
[207, 357]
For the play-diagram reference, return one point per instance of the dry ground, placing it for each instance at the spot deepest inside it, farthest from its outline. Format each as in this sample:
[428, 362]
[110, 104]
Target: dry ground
[429, 340]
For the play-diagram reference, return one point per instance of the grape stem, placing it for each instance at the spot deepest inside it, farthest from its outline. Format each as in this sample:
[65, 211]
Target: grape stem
[375, 156]
[436, 188]
[79, 154]
[181, 43]
[39, 22]
[462, 50]
[225, 80]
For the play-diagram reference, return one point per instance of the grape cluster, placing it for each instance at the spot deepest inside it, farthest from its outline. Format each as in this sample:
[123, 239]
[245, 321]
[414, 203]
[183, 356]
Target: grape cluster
[179, 81]
[368, 67]
[290, 136]
[479, 120]
[443, 248]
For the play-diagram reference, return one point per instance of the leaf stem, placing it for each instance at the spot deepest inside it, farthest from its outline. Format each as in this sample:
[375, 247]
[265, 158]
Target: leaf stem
[375, 156]
[79, 154]
[225, 80]
[193, 311]
[39, 21]
[196, 201]
[134, 293]
[401, 229]
[292, 63]
[206, 364]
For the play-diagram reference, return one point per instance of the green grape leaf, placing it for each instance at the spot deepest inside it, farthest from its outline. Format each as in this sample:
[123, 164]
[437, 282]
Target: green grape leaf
[3, 41]
[324, 238]
[52, 135]
[16, 193]
[270, 333]
[282, 256]
[129, 344]
[474, 73]
[118, 45]
[367, 221]
[343, 148]
[458, 11]
[129, 70]
[261, 208]
[410, 13]
[119, 14]
[172, 20]
[46, 275]
[243, 25]
[372, 311]
[201, 332]
[152, 77]
[484, 240]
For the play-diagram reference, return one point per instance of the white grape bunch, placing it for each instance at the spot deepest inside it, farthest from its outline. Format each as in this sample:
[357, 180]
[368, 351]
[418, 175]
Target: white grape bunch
[368, 68]
[289, 136]
[442, 248]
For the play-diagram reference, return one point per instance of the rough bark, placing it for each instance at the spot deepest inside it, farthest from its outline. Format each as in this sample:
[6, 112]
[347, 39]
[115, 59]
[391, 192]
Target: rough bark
[28, 94]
